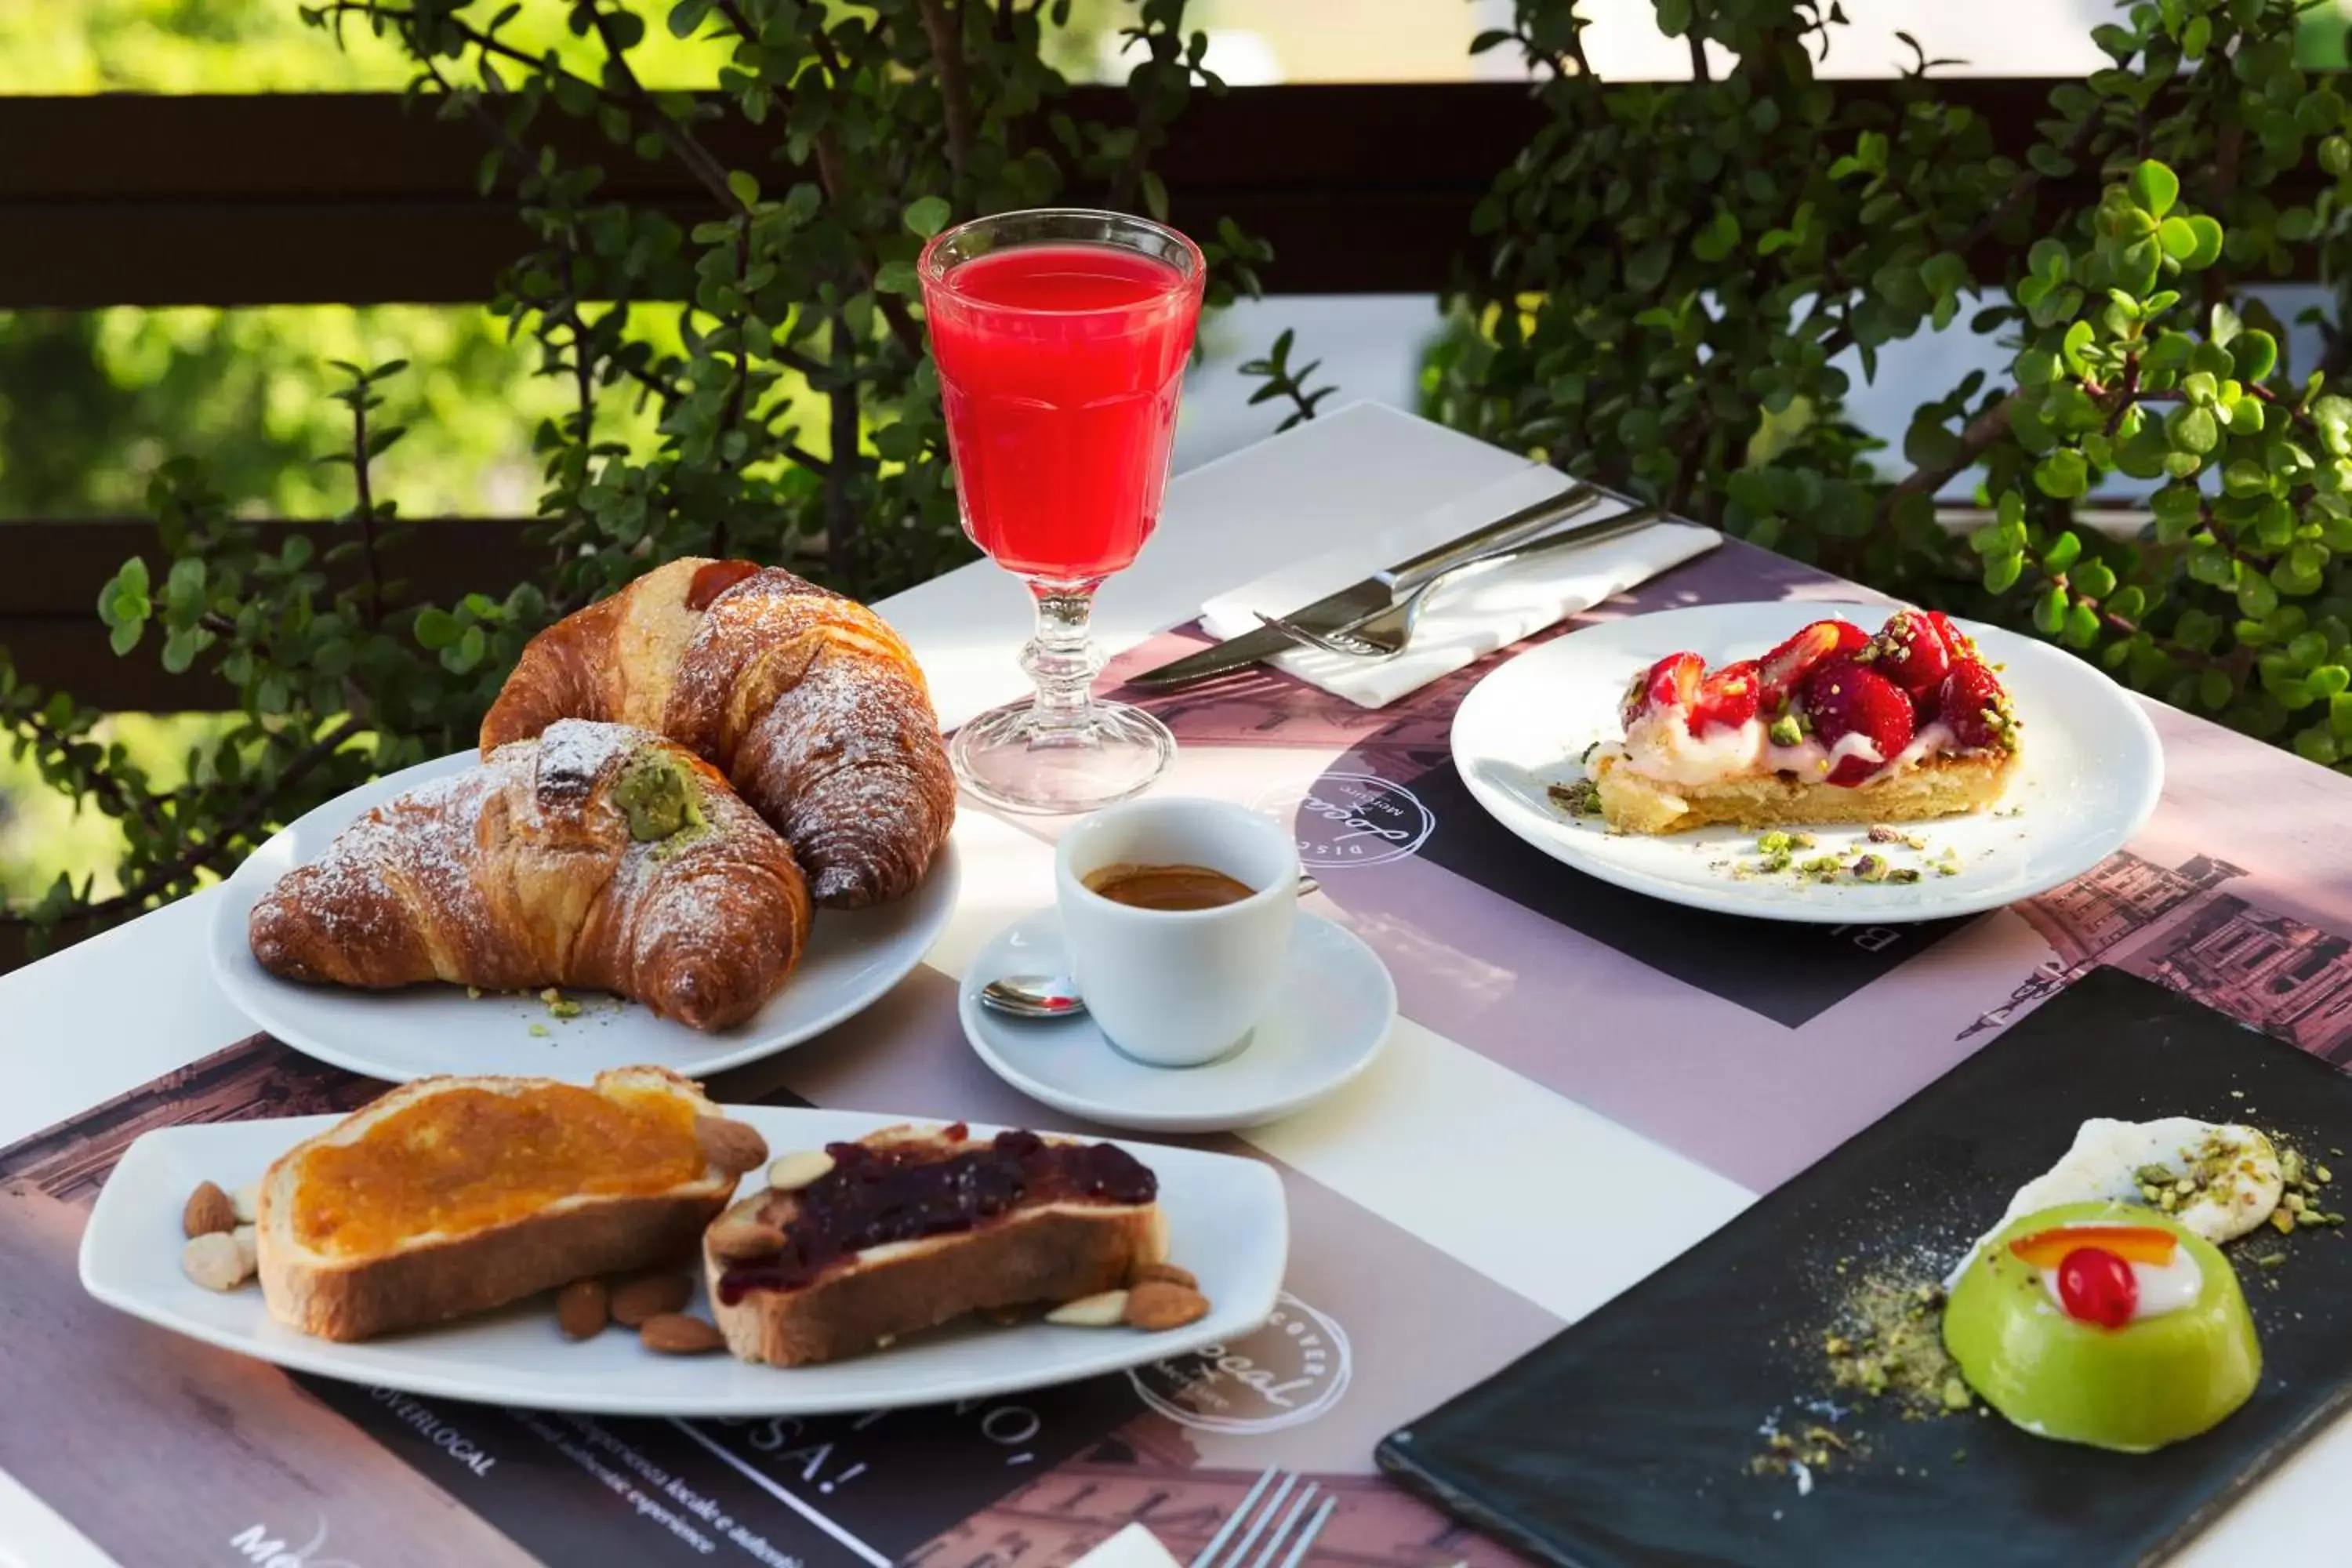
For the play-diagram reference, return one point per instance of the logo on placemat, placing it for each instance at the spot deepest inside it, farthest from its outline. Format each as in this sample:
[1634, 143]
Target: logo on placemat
[1351, 819]
[1288, 1371]
[255, 1543]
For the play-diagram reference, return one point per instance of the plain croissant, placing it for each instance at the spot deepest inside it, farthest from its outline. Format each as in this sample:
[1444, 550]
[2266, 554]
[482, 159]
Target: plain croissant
[598, 855]
[807, 701]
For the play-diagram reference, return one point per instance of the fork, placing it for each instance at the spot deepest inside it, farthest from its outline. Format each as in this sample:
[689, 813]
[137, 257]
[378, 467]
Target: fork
[1287, 1531]
[1385, 633]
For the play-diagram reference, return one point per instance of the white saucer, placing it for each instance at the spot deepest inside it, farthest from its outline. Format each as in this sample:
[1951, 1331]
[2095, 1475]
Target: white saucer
[1329, 1020]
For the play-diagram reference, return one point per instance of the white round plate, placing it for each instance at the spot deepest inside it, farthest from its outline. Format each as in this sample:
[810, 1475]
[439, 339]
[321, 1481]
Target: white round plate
[1329, 1021]
[853, 958]
[1226, 1217]
[2088, 779]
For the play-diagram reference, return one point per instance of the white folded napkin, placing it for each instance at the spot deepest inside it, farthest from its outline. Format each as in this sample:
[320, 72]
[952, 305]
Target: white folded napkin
[1133, 1547]
[1462, 620]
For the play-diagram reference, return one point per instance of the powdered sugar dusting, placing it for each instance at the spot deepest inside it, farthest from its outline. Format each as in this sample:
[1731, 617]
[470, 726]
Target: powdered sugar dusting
[847, 761]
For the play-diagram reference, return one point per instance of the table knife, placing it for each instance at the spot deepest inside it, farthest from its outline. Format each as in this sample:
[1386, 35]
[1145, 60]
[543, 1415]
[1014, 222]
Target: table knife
[1337, 611]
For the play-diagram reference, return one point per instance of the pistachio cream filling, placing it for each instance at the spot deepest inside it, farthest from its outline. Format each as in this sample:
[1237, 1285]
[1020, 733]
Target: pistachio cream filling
[658, 797]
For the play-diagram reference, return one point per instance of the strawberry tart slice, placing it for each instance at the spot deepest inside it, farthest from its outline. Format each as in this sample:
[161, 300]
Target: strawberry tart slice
[1833, 725]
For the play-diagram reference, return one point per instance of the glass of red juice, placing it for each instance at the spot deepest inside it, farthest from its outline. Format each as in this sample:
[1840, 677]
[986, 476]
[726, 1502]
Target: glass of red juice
[1061, 338]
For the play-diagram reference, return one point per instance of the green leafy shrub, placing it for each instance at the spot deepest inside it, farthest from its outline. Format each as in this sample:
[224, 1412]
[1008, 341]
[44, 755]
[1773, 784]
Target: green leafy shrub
[796, 405]
[1666, 277]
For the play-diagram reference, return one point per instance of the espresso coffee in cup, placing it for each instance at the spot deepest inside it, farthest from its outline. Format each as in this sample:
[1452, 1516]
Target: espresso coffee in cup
[1166, 886]
[1176, 916]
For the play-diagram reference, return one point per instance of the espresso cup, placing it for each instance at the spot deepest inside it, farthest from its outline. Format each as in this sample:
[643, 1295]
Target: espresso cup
[1178, 987]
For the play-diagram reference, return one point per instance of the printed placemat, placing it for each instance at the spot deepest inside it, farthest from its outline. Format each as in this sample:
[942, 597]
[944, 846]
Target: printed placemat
[1752, 1050]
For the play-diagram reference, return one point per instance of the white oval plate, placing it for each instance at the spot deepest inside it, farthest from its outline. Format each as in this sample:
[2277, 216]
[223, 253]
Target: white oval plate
[1226, 1222]
[853, 958]
[1328, 1023]
[2090, 775]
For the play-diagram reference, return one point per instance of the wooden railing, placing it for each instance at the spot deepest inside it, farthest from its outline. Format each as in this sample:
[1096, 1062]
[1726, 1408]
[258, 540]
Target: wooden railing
[361, 199]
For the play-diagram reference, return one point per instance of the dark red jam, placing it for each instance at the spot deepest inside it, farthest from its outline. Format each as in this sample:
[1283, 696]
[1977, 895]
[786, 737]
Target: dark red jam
[875, 1197]
[712, 580]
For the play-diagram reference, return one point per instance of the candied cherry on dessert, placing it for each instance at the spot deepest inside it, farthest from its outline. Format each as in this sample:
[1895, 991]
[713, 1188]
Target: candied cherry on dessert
[1726, 697]
[1974, 705]
[1911, 652]
[1784, 669]
[2095, 1285]
[1671, 682]
[1851, 699]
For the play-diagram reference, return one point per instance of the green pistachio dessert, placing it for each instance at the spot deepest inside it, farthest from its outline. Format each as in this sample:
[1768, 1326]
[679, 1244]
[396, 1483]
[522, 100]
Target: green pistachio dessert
[2104, 1323]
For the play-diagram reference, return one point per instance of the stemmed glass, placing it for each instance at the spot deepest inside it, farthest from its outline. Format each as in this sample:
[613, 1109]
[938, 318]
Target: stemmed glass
[1061, 337]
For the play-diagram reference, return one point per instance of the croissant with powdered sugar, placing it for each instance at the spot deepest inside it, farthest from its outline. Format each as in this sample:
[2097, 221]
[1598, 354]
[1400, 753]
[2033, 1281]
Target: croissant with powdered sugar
[807, 701]
[595, 856]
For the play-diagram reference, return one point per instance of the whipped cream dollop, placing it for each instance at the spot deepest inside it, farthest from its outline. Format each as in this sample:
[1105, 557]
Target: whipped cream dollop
[1659, 744]
[2235, 1166]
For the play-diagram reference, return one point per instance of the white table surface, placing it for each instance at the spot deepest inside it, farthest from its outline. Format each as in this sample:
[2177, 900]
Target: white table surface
[1342, 476]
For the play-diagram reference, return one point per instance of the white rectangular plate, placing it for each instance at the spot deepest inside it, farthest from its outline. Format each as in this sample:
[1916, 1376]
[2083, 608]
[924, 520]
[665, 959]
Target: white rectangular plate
[1226, 1222]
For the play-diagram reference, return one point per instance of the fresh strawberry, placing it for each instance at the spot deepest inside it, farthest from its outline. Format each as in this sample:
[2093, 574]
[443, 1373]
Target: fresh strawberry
[1975, 705]
[1728, 696]
[1671, 682]
[1909, 651]
[1784, 669]
[1961, 645]
[1850, 699]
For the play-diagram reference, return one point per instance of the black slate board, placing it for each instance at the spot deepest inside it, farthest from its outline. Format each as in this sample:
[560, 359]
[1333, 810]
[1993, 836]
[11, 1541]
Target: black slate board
[1625, 1440]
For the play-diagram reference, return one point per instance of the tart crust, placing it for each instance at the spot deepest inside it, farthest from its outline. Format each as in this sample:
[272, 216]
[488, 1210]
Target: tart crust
[1944, 786]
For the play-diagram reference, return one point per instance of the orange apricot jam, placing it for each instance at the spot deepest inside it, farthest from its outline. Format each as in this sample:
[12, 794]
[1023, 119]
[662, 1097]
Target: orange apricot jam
[467, 1159]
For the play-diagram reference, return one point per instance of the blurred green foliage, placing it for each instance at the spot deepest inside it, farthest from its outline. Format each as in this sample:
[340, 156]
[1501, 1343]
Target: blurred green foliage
[788, 411]
[1671, 281]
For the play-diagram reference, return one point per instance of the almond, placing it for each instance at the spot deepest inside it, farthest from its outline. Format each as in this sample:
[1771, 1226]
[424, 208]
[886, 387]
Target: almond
[732, 1146]
[1157, 1304]
[794, 1172]
[674, 1334]
[744, 1237]
[581, 1309]
[649, 1296]
[213, 1262]
[1144, 1273]
[209, 1209]
[1103, 1310]
[248, 1247]
[247, 1200]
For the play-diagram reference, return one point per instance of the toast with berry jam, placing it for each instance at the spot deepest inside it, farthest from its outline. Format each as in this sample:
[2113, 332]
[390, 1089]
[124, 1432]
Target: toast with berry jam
[910, 1227]
[1835, 725]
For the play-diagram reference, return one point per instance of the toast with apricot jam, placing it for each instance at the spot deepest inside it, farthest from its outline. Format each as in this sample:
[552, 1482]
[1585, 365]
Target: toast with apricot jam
[454, 1195]
[910, 1227]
